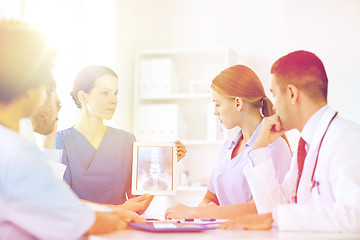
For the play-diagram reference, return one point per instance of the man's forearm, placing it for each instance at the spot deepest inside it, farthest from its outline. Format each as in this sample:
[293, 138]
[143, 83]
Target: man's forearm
[225, 212]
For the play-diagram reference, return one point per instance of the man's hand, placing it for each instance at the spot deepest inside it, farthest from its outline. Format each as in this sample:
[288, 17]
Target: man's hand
[180, 211]
[129, 216]
[107, 222]
[271, 129]
[180, 150]
[137, 204]
[249, 222]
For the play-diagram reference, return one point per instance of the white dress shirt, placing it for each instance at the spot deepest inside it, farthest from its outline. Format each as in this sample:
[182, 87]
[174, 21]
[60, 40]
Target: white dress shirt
[333, 205]
[33, 204]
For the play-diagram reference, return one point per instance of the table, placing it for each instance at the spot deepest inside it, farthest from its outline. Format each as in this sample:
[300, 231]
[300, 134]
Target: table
[224, 235]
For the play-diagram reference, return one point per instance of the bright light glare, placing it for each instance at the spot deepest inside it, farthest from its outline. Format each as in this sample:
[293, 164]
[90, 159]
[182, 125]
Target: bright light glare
[82, 33]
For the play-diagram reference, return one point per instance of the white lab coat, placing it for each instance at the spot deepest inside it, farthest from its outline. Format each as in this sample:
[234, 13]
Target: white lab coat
[333, 206]
[32, 202]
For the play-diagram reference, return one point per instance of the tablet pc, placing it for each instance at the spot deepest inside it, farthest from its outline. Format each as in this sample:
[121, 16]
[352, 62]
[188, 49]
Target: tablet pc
[171, 227]
[154, 168]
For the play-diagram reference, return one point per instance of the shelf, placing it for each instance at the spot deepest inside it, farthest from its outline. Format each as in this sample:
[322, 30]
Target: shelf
[173, 100]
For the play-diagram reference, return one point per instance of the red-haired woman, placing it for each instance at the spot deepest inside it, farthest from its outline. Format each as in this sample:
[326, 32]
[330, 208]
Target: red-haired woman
[240, 100]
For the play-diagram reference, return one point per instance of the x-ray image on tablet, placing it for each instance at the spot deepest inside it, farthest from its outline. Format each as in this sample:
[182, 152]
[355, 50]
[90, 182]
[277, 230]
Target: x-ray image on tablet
[154, 168]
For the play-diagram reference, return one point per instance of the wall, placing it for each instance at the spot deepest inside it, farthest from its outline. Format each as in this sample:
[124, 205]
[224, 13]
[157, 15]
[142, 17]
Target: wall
[83, 32]
[258, 31]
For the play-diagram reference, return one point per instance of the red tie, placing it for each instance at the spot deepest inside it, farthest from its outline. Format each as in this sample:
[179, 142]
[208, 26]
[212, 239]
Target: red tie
[301, 154]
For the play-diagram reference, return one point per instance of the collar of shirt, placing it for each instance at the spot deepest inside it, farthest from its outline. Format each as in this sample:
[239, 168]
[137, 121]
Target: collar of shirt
[26, 129]
[310, 126]
[249, 143]
[9, 135]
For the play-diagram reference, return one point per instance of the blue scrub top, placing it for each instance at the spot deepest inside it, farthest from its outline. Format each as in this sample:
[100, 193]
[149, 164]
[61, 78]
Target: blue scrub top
[102, 175]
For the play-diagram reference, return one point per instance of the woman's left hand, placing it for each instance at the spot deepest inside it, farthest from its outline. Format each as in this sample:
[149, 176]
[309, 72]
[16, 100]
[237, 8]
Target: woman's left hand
[180, 150]
[137, 204]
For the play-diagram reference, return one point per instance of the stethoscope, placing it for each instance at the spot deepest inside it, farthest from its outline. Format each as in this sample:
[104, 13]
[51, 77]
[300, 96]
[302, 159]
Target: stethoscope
[313, 182]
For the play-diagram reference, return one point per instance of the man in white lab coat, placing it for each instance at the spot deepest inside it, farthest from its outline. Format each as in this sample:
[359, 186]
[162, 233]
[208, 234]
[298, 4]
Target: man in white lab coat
[33, 204]
[325, 194]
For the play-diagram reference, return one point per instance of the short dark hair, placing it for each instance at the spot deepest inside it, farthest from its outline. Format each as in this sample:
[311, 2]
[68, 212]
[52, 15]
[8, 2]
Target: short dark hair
[85, 79]
[25, 59]
[304, 70]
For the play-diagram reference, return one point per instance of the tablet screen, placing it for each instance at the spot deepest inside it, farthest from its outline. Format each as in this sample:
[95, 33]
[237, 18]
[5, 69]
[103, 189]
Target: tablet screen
[153, 168]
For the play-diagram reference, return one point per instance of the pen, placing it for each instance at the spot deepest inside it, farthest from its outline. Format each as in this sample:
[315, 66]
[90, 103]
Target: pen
[170, 221]
[208, 219]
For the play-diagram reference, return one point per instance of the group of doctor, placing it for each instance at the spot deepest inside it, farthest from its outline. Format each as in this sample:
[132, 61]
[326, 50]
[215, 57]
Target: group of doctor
[320, 190]
[256, 183]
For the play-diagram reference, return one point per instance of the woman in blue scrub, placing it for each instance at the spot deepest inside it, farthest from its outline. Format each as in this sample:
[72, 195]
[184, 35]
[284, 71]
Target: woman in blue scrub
[239, 100]
[98, 157]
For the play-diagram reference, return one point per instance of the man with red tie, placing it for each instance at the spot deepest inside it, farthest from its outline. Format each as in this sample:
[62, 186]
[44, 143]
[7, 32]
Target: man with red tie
[321, 191]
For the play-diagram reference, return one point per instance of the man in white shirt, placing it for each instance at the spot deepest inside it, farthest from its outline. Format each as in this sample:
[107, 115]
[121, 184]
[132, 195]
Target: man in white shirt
[325, 194]
[33, 204]
[43, 123]
[45, 116]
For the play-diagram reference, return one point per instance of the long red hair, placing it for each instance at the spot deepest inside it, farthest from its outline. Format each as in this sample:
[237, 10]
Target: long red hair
[241, 81]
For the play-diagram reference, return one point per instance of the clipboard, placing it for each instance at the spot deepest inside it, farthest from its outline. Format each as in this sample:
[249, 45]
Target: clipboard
[171, 227]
